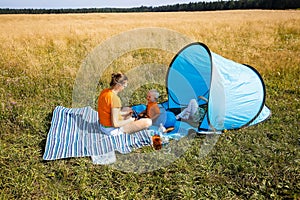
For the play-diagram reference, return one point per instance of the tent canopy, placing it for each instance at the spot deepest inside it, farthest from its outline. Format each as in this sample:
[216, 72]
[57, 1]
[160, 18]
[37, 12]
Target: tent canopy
[235, 92]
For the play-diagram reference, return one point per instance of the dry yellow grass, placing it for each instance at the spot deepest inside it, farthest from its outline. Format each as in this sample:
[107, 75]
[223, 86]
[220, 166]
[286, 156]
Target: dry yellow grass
[246, 36]
[56, 45]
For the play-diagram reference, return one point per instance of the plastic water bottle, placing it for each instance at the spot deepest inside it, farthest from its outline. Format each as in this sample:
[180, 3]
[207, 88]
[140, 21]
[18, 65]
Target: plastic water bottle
[161, 129]
[164, 138]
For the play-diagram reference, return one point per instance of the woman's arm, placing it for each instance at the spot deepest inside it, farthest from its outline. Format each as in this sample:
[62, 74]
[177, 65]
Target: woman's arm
[126, 112]
[116, 121]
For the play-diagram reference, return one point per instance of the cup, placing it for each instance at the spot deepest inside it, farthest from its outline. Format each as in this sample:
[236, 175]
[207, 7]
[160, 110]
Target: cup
[157, 143]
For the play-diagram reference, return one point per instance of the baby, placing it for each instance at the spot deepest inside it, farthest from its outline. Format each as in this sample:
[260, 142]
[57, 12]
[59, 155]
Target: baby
[152, 111]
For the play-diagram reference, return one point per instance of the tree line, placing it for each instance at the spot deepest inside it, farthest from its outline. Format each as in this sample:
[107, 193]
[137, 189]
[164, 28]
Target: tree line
[192, 6]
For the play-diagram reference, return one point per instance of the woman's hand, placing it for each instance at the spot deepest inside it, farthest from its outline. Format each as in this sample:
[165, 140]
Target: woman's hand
[116, 121]
[126, 112]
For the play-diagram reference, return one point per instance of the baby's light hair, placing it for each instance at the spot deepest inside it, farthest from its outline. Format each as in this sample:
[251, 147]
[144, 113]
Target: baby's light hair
[155, 93]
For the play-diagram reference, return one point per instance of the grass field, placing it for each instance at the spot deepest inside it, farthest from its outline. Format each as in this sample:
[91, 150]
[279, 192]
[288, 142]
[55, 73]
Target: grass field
[41, 54]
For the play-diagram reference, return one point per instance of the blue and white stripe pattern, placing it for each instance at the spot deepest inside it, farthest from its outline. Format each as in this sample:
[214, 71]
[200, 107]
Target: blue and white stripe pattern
[75, 132]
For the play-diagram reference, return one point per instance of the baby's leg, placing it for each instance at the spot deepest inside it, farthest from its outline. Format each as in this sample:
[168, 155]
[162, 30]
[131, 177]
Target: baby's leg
[188, 111]
[193, 106]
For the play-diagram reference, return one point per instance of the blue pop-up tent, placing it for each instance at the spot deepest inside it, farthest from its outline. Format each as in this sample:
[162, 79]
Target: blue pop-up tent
[235, 92]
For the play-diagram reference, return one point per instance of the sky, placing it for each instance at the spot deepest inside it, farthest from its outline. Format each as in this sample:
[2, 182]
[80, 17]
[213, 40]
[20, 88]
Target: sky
[48, 4]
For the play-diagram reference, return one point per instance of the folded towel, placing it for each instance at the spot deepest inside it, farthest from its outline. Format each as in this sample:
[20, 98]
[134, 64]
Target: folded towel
[75, 132]
[104, 159]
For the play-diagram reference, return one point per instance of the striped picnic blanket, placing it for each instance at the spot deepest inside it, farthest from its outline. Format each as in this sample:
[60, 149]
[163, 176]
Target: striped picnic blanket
[75, 132]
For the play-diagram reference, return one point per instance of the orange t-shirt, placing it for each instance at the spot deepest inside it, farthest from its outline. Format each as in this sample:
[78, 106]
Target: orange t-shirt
[106, 101]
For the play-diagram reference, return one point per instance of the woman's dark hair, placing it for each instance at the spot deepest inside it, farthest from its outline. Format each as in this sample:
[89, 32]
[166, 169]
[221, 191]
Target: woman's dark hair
[117, 78]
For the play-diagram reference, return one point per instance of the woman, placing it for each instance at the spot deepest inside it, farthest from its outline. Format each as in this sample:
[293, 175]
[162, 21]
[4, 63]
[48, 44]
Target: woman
[112, 118]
